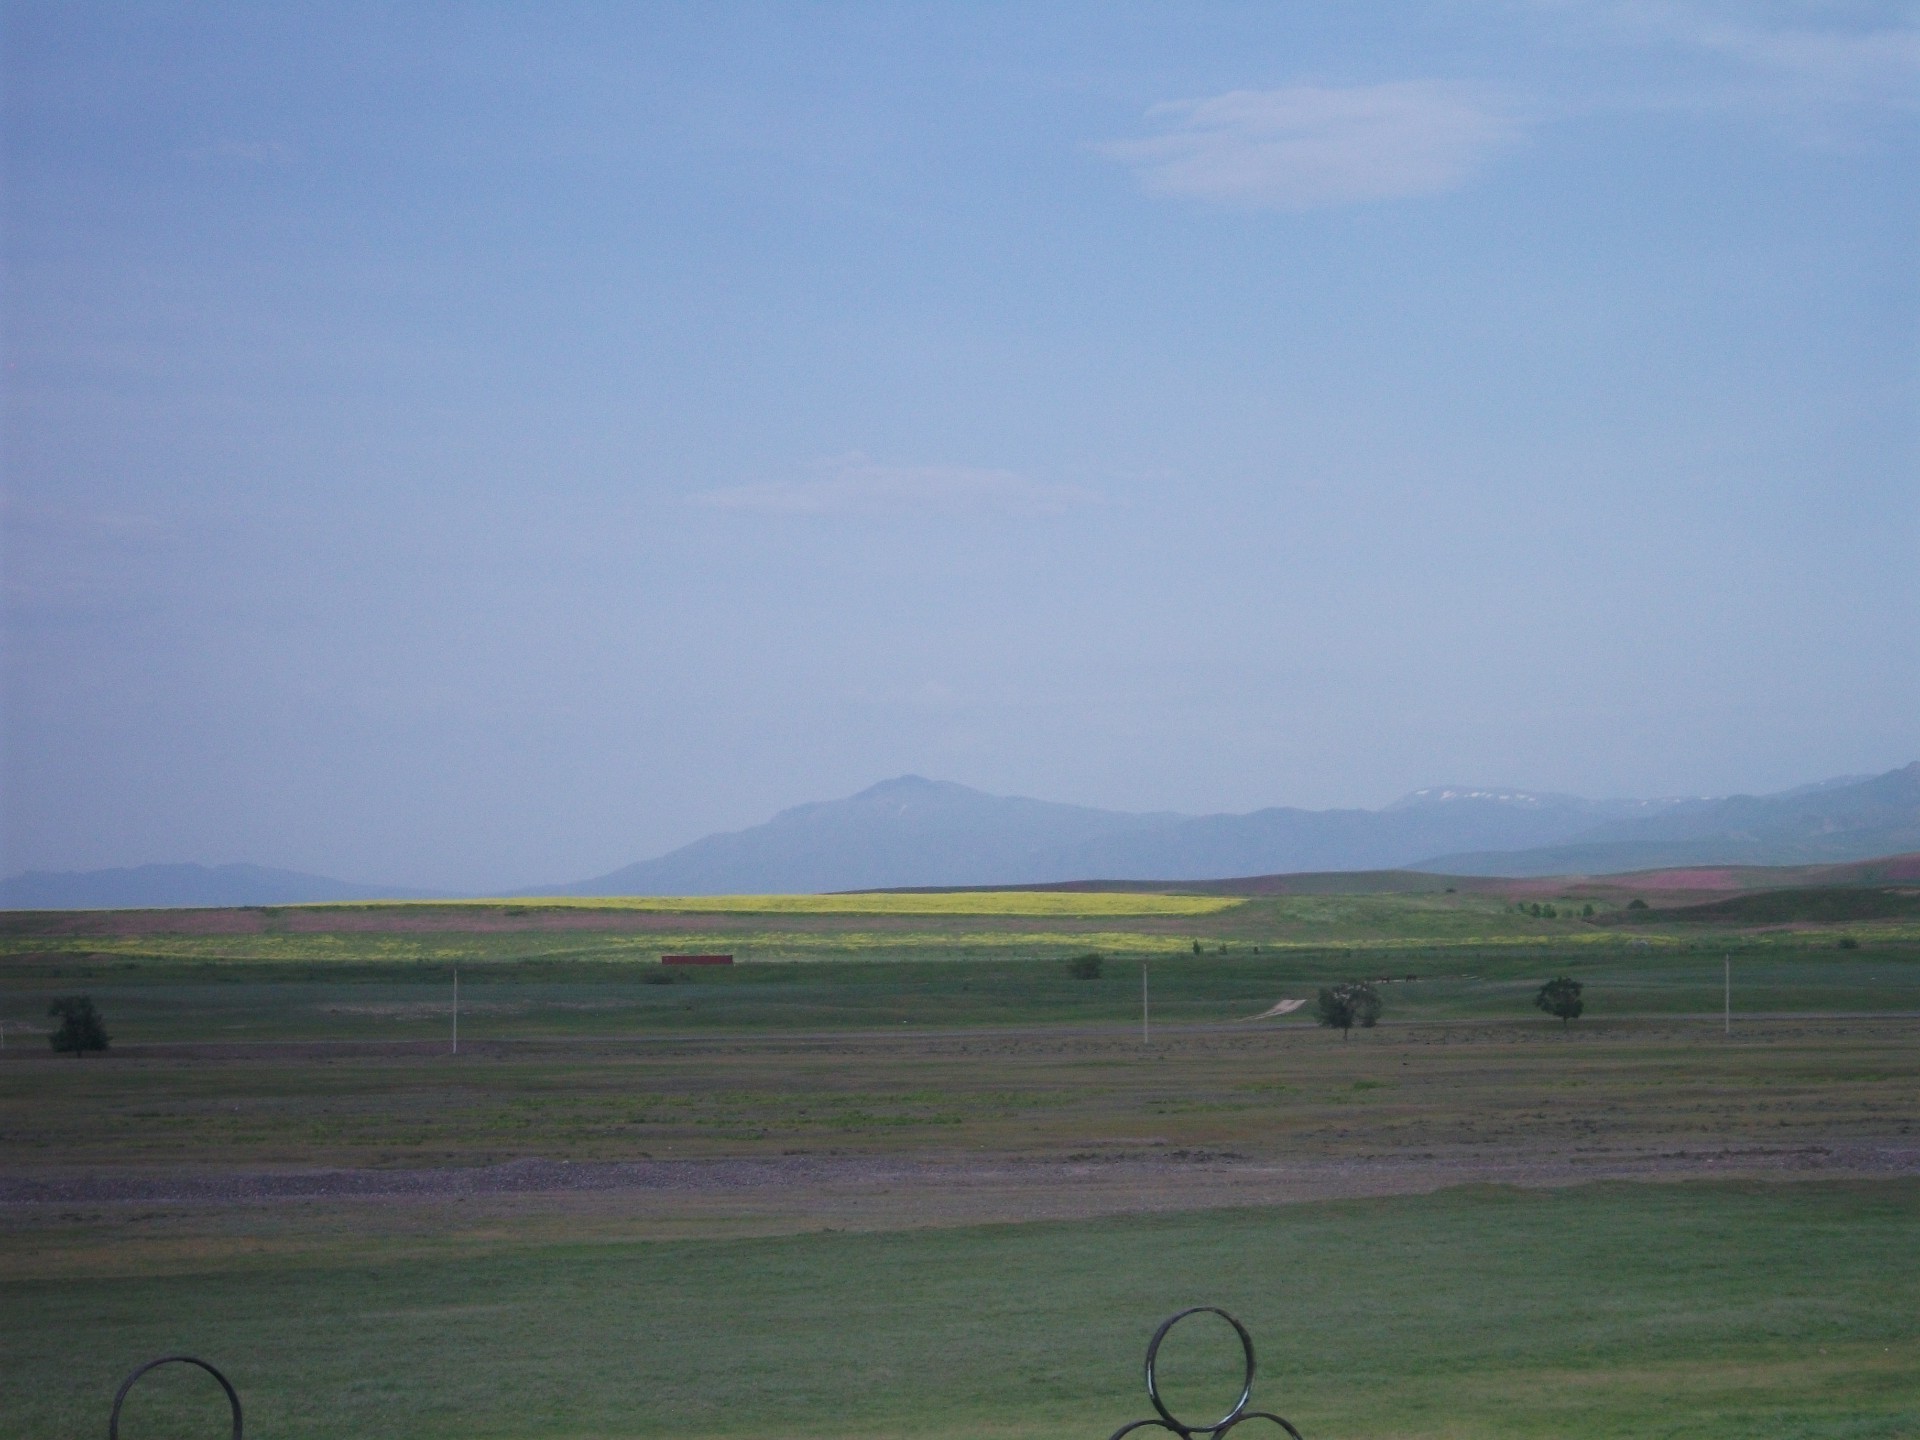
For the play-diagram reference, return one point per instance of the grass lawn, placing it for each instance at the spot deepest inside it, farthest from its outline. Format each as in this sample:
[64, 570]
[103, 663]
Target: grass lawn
[1698, 1310]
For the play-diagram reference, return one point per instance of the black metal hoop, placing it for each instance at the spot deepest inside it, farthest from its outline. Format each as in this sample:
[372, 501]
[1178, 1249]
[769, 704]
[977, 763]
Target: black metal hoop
[233, 1397]
[1174, 1423]
[1166, 1420]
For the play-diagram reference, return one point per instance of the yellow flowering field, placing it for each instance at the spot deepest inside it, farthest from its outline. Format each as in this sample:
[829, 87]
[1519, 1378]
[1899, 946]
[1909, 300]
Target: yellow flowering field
[1079, 904]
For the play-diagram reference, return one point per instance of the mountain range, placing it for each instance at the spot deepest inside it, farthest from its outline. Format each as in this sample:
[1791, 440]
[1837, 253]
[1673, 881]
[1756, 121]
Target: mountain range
[913, 832]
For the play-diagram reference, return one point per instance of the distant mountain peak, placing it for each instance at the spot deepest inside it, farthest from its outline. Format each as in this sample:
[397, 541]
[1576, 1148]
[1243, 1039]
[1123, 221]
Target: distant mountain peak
[907, 786]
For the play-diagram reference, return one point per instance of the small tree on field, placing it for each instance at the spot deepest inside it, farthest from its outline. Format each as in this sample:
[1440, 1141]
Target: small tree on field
[1561, 997]
[80, 1028]
[1085, 967]
[1350, 1003]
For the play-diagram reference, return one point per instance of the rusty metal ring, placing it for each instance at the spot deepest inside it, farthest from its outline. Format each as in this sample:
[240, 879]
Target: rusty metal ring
[1153, 1384]
[233, 1397]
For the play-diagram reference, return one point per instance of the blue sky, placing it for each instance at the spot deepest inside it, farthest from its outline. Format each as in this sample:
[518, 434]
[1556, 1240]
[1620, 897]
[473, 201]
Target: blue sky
[478, 445]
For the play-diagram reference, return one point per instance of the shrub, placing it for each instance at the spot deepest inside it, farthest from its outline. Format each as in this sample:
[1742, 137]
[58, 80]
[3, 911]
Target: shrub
[1847, 942]
[1636, 904]
[1085, 967]
[80, 1028]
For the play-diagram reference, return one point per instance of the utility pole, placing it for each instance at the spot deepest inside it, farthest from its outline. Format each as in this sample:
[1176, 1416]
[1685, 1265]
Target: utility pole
[1727, 961]
[1144, 1033]
[456, 1009]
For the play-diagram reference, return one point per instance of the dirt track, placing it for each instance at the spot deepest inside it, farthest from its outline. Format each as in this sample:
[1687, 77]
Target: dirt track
[1089, 1182]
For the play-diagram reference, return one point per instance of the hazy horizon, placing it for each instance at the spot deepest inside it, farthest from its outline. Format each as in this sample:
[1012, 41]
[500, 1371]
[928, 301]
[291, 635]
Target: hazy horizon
[459, 448]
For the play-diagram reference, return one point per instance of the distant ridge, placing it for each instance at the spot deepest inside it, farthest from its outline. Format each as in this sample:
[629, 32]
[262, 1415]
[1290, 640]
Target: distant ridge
[1879, 872]
[912, 833]
[181, 886]
[1809, 825]
[916, 833]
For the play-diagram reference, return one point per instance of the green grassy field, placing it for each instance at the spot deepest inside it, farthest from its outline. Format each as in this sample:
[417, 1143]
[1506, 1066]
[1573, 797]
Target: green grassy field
[1696, 1310]
[878, 1031]
[151, 997]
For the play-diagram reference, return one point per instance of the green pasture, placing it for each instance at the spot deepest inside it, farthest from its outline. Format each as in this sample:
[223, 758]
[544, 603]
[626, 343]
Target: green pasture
[148, 997]
[1700, 1310]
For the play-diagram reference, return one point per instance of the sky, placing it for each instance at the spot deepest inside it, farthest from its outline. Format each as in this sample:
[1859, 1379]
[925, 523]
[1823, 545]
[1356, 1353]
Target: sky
[472, 446]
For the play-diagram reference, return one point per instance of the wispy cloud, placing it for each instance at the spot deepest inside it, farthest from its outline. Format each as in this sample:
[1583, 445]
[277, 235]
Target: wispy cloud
[1879, 68]
[1311, 146]
[1781, 58]
[854, 484]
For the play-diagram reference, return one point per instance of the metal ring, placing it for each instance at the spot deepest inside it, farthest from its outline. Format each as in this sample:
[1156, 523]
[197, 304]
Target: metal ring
[1153, 1383]
[233, 1398]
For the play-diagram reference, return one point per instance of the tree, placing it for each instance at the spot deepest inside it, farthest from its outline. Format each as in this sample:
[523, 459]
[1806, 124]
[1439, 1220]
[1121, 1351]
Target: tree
[1085, 967]
[1350, 1003]
[1561, 997]
[80, 1028]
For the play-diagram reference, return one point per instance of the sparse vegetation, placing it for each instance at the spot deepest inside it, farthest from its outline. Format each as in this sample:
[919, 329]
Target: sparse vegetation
[1086, 967]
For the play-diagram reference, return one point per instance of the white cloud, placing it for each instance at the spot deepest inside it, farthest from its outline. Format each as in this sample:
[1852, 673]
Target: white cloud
[1310, 146]
[854, 484]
